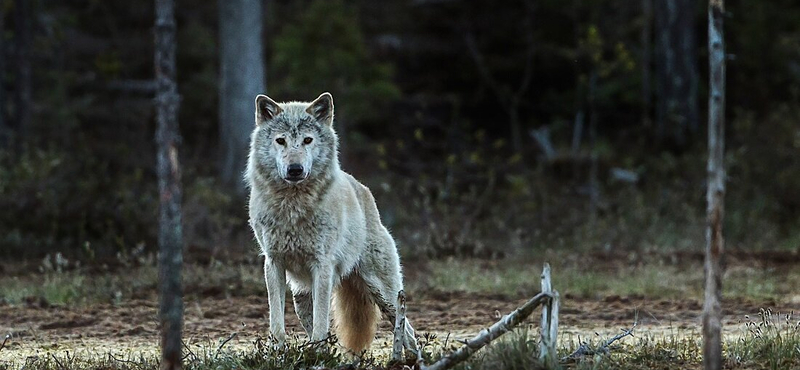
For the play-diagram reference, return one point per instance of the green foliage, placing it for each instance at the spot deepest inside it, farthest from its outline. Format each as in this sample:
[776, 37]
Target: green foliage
[324, 50]
[48, 208]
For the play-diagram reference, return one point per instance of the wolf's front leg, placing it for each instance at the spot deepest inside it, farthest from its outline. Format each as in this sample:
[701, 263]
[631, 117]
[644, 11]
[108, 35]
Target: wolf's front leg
[275, 275]
[322, 277]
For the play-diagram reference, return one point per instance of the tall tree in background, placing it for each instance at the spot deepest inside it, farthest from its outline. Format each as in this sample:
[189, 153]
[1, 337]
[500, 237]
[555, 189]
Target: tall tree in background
[241, 79]
[170, 233]
[23, 85]
[4, 129]
[676, 71]
[646, 35]
[715, 244]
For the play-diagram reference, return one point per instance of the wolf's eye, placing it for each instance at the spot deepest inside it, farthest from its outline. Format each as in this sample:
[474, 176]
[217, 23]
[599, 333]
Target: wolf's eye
[307, 140]
[281, 141]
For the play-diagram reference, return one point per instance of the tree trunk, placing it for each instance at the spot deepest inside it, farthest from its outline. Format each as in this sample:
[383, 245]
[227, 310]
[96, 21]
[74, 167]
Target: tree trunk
[676, 72]
[715, 244]
[170, 233]
[23, 77]
[647, 31]
[4, 129]
[594, 183]
[241, 79]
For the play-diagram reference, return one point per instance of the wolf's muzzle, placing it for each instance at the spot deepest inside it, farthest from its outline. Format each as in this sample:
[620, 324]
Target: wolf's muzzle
[294, 172]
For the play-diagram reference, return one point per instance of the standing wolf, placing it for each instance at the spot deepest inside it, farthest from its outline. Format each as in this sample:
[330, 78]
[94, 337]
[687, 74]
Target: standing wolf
[318, 227]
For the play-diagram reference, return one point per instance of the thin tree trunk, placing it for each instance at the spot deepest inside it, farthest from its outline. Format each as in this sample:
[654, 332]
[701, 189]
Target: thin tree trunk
[594, 183]
[676, 72]
[516, 131]
[241, 79]
[4, 129]
[170, 234]
[647, 31]
[23, 83]
[715, 244]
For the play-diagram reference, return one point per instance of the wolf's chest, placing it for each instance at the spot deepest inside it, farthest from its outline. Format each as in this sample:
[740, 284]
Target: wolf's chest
[293, 237]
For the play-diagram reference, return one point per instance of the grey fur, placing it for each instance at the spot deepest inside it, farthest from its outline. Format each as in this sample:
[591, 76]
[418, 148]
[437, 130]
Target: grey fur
[320, 231]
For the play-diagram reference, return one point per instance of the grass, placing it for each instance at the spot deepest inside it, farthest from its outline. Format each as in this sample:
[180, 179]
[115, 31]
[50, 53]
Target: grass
[510, 277]
[768, 341]
[651, 280]
[78, 287]
[771, 341]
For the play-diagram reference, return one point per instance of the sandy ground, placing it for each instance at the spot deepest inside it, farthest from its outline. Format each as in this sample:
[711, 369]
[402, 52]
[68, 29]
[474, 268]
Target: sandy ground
[130, 329]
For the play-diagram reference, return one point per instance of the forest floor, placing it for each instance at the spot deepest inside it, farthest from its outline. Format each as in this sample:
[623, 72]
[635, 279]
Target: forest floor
[600, 296]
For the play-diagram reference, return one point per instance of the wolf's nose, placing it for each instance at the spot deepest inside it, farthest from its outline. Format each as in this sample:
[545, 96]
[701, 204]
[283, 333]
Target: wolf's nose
[295, 170]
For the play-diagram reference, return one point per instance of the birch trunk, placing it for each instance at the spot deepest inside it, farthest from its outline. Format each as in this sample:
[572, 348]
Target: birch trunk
[170, 236]
[715, 244]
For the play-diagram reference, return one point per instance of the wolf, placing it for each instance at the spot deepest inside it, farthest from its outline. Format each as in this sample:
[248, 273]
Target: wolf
[318, 228]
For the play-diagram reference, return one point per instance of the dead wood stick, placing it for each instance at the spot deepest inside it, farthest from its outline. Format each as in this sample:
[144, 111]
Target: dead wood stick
[8, 336]
[544, 342]
[484, 337]
[585, 350]
[221, 345]
[399, 327]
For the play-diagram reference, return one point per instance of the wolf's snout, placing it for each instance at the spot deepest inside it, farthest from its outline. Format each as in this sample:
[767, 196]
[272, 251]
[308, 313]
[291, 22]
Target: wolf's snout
[294, 172]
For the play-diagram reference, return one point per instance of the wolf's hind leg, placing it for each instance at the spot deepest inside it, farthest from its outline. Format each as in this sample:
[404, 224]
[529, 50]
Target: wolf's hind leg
[303, 307]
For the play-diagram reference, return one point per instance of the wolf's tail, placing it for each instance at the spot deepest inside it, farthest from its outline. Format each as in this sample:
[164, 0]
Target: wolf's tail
[355, 315]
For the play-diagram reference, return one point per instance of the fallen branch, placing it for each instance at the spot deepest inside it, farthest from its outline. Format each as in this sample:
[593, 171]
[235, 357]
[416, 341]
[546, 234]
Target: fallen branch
[219, 349]
[8, 336]
[497, 329]
[399, 327]
[586, 350]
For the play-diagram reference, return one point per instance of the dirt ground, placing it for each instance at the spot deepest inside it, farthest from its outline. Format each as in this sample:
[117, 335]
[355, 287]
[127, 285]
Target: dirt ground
[130, 329]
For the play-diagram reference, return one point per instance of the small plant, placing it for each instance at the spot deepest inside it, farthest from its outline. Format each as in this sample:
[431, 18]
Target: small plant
[770, 341]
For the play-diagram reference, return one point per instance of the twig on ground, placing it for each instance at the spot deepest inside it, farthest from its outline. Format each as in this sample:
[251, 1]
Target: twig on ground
[8, 336]
[60, 365]
[137, 364]
[586, 350]
[487, 335]
[219, 349]
[188, 352]
[330, 339]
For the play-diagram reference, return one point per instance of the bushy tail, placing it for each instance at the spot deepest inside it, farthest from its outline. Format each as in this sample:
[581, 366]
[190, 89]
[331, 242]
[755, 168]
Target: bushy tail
[355, 316]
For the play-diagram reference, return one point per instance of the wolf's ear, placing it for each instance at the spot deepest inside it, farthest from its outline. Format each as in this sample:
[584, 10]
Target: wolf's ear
[322, 109]
[266, 109]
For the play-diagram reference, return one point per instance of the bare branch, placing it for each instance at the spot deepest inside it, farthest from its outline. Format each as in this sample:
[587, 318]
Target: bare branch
[221, 345]
[484, 337]
[585, 349]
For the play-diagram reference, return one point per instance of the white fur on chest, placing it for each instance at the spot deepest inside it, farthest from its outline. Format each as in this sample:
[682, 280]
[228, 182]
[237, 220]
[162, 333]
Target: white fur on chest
[294, 234]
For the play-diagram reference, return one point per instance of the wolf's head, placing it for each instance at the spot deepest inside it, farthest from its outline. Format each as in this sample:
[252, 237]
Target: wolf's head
[293, 143]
